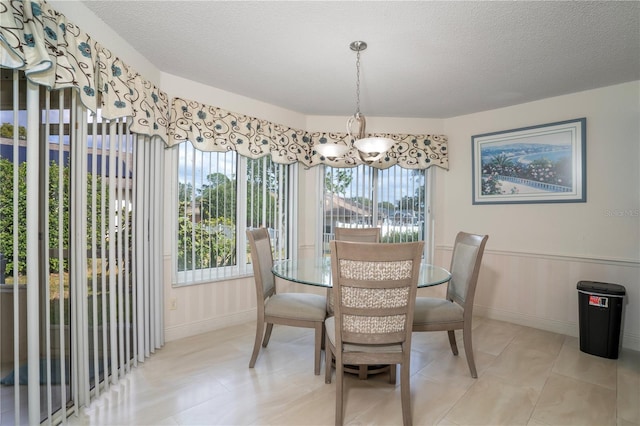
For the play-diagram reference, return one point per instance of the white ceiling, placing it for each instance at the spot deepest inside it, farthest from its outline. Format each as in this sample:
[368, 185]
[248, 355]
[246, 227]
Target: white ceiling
[425, 58]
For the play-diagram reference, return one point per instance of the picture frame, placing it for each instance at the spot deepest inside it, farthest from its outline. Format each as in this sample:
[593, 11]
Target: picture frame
[545, 163]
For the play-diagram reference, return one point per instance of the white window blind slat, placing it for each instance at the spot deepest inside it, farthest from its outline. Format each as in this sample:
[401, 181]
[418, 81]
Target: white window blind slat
[33, 255]
[63, 281]
[93, 224]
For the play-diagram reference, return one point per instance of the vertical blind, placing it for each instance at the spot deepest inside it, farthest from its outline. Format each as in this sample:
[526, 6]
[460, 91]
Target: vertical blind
[394, 199]
[221, 195]
[81, 237]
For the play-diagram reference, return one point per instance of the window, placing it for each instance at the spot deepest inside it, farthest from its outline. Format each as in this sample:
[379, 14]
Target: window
[394, 199]
[220, 195]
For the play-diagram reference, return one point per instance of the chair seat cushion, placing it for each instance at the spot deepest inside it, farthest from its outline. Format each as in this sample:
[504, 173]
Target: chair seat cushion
[330, 327]
[433, 310]
[304, 306]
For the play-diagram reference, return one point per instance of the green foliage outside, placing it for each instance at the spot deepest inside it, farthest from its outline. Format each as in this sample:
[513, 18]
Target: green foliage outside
[6, 215]
[6, 131]
[207, 227]
[337, 180]
[7, 230]
[401, 237]
[212, 245]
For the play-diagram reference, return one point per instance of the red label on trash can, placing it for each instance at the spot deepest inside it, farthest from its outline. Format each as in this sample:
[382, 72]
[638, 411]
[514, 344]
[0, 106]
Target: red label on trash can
[603, 302]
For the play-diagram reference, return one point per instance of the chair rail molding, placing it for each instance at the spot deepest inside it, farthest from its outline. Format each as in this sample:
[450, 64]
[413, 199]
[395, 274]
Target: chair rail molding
[539, 289]
[556, 256]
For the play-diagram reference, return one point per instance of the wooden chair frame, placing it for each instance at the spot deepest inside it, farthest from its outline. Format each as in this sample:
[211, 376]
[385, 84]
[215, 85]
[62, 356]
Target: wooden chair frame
[467, 255]
[370, 294]
[292, 309]
[359, 235]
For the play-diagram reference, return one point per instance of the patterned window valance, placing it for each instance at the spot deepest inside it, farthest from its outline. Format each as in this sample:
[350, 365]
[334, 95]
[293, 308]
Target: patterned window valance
[211, 128]
[57, 54]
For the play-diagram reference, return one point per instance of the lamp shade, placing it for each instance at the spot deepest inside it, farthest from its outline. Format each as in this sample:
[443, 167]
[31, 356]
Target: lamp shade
[373, 148]
[332, 150]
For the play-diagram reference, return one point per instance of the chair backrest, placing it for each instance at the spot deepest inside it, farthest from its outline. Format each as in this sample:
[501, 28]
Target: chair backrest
[262, 262]
[465, 267]
[354, 235]
[375, 291]
[357, 235]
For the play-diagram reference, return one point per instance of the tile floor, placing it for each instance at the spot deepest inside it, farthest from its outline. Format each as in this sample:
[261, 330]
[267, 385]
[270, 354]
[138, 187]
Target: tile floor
[525, 377]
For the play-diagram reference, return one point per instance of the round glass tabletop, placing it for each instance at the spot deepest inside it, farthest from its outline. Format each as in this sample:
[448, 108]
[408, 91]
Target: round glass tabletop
[317, 272]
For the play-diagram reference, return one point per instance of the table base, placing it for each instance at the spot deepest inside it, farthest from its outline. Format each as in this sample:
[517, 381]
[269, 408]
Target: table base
[364, 371]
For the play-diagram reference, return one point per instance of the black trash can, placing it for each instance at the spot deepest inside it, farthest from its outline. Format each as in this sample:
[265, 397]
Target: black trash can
[600, 315]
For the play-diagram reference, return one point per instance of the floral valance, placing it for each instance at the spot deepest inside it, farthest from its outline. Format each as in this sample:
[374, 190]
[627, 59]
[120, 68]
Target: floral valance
[211, 128]
[57, 54]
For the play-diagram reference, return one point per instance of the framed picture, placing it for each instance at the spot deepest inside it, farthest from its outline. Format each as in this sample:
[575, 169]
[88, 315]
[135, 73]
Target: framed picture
[537, 164]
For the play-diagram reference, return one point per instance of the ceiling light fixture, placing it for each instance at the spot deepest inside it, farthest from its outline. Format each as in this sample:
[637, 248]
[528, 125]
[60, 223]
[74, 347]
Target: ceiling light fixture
[370, 149]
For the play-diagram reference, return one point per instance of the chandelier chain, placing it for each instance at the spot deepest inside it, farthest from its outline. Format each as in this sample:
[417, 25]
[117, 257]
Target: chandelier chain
[358, 82]
[370, 149]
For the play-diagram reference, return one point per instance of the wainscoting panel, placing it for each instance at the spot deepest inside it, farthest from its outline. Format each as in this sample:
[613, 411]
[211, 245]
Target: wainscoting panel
[195, 309]
[539, 290]
[530, 289]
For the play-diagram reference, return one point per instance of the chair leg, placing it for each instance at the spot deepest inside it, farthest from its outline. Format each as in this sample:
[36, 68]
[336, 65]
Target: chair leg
[468, 350]
[256, 344]
[267, 335]
[452, 341]
[362, 371]
[393, 368]
[328, 360]
[405, 393]
[339, 393]
[317, 347]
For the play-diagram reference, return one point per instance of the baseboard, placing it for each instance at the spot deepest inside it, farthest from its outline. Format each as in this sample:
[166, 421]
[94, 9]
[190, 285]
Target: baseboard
[194, 328]
[629, 341]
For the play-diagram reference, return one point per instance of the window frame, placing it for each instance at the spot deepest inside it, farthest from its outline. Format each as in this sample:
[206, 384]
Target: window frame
[242, 268]
[429, 217]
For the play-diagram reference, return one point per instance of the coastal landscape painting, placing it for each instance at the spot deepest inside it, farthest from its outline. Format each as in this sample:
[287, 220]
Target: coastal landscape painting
[537, 164]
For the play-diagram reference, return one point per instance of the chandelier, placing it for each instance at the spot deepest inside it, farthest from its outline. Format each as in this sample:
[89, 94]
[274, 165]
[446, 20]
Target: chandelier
[370, 149]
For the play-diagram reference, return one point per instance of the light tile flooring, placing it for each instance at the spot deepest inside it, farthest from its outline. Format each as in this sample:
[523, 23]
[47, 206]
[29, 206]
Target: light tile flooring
[525, 377]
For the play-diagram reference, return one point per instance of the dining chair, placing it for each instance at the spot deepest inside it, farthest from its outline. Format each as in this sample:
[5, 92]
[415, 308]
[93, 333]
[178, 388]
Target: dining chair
[356, 235]
[292, 309]
[455, 311]
[375, 288]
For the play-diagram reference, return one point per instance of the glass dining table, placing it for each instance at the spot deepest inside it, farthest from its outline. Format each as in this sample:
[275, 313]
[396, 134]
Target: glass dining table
[317, 272]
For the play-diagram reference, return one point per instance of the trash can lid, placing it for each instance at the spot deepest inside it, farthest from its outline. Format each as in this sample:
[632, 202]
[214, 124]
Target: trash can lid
[602, 288]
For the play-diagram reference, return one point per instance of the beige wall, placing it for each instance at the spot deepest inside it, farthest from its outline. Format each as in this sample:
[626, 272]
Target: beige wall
[573, 229]
[535, 254]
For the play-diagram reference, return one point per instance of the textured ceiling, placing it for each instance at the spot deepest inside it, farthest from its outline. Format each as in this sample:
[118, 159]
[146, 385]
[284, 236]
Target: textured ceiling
[425, 58]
